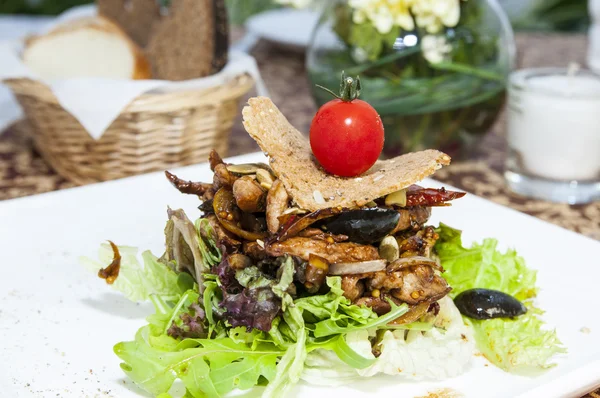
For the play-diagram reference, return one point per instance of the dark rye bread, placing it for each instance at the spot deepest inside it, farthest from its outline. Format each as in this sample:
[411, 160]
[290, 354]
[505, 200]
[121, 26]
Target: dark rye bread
[191, 42]
[136, 17]
[309, 185]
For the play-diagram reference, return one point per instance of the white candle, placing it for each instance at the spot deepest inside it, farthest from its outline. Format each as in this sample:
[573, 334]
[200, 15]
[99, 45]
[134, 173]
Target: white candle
[594, 35]
[554, 123]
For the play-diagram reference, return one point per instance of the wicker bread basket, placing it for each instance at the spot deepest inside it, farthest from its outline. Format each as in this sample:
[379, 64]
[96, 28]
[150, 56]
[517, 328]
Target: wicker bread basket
[154, 132]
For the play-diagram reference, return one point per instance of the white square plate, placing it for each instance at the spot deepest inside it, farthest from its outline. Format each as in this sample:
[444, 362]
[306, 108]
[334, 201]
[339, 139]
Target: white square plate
[59, 322]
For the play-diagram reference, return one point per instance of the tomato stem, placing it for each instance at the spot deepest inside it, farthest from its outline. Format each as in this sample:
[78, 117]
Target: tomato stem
[349, 88]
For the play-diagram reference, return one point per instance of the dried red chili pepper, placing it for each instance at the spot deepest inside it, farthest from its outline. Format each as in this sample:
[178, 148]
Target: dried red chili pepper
[417, 196]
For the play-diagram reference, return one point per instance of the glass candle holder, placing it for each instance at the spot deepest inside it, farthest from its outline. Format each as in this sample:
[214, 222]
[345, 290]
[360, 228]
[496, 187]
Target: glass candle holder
[554, 135]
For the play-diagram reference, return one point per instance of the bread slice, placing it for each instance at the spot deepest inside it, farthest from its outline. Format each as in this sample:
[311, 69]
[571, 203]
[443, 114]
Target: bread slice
[309, 185]
[136, 17]
[86, 47]
[191, 41]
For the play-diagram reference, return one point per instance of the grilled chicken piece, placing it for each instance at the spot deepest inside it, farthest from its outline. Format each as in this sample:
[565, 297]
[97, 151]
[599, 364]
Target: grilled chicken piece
[419, 244]
[383, 280]
[411, 285]
[421, 284]
[332, 252]
[249, 195]
[277, 202]
[353, 287]
[316, 233]
[412, 218]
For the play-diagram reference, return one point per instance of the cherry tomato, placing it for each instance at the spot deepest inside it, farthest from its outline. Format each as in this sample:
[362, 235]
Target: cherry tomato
[346, 134]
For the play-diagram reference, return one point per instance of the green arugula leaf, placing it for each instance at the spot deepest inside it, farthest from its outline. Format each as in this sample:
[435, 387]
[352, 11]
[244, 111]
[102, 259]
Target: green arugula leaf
[208, 368]
[348, 355]
[292, 363]
[330, 327]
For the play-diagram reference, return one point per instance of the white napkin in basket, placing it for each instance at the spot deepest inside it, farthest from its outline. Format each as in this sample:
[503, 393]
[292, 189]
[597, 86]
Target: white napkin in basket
[97, 102]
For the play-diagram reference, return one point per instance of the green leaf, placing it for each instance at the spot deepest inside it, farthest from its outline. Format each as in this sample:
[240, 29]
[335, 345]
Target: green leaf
[518, 345]
[348, 355]
[483, 266]
[285, 281]
[135, 281]
[207, 367]
[207, 300]
[289, 368]
[330, 327]
[207, 241]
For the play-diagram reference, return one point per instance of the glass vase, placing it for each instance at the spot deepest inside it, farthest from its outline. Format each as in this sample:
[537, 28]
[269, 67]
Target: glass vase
[441, 90]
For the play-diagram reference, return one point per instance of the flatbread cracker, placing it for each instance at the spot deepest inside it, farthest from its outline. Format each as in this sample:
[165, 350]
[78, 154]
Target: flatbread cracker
[309, 185]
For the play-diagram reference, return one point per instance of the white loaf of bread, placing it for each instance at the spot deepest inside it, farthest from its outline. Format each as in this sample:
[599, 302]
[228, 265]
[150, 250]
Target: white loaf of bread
[87, 47]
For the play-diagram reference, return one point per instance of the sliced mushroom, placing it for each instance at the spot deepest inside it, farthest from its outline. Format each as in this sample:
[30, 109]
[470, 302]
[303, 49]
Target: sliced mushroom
[230, 216]
[277, 202]
[249, 195]
[222, 177]
[414, 313]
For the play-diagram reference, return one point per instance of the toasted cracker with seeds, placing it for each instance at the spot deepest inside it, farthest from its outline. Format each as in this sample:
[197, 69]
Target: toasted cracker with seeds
[311, 187]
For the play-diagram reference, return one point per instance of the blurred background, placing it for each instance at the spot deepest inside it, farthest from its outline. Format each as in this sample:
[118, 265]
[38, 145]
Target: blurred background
[526, 15]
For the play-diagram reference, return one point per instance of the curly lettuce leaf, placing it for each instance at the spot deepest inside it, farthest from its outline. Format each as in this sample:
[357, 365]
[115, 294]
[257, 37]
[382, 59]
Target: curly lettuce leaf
[483, 266]
[521, 345]
[138, 282]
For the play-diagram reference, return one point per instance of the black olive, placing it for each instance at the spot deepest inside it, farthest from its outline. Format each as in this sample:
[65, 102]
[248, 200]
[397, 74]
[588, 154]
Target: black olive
[487, 304]
[364, 225]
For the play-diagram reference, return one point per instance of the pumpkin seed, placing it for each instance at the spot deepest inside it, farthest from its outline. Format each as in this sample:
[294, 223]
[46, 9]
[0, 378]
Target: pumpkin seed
[294, 210]
[388, 248]
[397, 198]
[247, 168]
[264, 178]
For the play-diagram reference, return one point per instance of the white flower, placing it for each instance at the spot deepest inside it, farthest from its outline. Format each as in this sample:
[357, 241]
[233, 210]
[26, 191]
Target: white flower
[384, 14]
[433, 15]
[435, 48]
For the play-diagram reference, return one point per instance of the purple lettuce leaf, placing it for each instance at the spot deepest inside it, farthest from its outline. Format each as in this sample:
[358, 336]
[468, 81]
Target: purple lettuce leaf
[252, 308]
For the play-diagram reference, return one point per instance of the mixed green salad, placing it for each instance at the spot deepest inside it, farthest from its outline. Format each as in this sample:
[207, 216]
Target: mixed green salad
[187, 337]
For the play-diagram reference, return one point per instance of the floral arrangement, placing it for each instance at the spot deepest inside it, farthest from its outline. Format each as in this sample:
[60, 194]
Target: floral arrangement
[428, 66]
